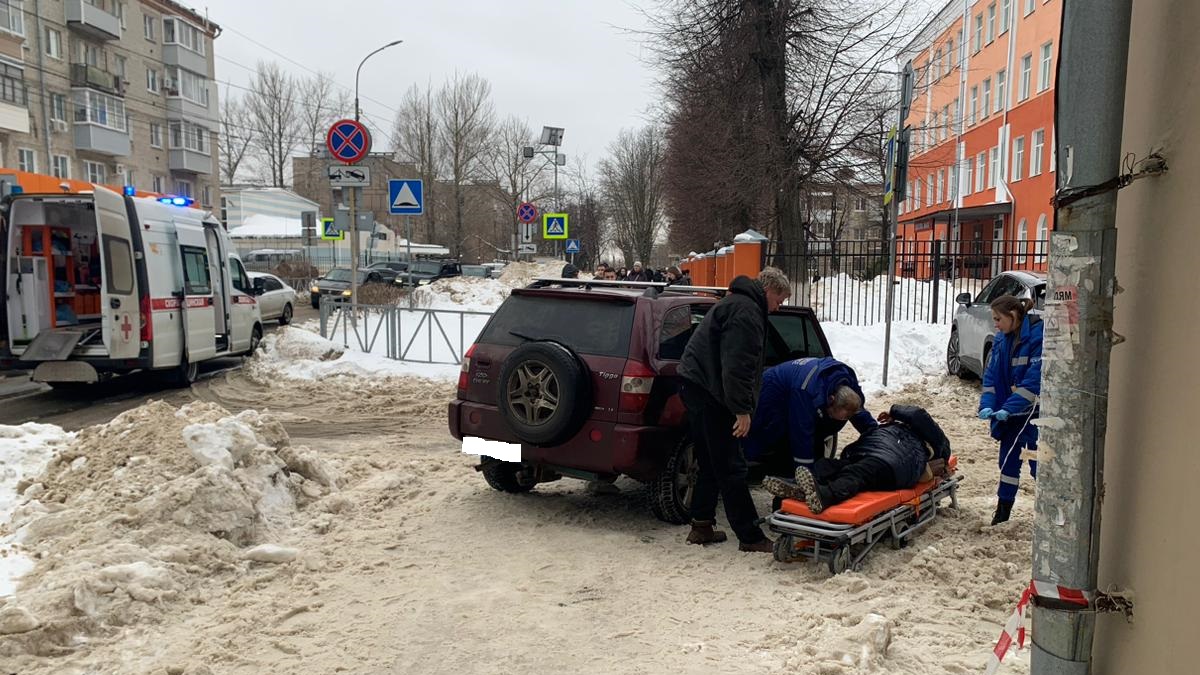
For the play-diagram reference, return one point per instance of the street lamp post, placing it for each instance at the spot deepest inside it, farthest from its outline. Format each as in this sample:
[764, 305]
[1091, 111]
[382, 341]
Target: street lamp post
[354, 195]
[551, 136]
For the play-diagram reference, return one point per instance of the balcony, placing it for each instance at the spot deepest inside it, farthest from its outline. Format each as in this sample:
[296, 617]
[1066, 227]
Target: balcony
[180, 108]
[189, 161]
[92, 21]
[91, 137]
[178, 55]
[83, 75]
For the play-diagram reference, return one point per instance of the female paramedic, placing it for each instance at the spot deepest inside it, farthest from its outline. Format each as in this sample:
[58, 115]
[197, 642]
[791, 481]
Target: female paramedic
[1011, 385]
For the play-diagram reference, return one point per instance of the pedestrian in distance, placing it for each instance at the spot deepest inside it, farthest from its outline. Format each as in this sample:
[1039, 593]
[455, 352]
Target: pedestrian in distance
[672, 275]
[570, 271]
[637, 273]
[1012, 383]
[721, 373]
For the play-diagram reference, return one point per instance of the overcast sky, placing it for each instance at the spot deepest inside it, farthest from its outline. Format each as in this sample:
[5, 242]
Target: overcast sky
[552, 62]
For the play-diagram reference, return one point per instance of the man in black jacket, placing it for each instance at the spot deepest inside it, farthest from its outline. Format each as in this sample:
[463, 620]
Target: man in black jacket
[722, 371]
[907, 448]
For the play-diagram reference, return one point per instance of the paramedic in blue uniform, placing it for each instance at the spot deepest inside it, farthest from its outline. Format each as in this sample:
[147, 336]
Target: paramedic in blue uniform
[803, 402]
[1011, 386]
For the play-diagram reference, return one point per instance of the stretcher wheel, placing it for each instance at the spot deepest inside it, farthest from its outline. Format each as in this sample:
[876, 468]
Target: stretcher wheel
[898, 543]
[839, 560]
[784, 546]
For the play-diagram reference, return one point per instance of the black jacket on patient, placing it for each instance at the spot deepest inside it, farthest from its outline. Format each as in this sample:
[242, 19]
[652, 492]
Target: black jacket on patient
[907, 444]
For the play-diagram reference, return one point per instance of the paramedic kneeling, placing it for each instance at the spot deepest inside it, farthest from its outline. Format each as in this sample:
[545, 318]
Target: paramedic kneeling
[907, 448]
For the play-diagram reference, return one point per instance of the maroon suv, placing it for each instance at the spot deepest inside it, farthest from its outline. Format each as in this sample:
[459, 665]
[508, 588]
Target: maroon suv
[583, 376]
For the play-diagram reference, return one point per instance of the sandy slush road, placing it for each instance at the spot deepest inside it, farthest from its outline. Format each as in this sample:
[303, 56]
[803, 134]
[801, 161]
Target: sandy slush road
[414, 565]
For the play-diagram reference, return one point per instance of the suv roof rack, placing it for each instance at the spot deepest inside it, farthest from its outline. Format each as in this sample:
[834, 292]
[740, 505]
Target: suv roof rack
[660, 287]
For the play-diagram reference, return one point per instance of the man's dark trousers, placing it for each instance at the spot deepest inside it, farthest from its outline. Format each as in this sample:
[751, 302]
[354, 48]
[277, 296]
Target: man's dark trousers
[722, 465]
[839, 479]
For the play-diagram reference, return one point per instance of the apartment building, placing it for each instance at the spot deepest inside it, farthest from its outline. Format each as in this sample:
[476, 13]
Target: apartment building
[982, 166]
[117, 92]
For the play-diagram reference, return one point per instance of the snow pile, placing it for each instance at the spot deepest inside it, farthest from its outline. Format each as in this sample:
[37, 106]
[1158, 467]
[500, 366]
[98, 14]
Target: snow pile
[462, 293]
[149, 510]
[843, 298]
[521, 274]
[918, 352]
[296, 353]
[24, 451]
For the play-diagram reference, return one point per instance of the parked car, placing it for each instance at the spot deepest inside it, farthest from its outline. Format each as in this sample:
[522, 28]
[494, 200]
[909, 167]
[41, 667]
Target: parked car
[275, 297]
[422, 272]
[388, 269]
[585, 380]
[337, 283]
[972, 330]
[267, 259]
[477, 271]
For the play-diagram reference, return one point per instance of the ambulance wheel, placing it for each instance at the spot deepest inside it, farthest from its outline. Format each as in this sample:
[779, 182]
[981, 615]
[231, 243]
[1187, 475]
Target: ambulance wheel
[784, 546]
[286, 317]
[182, 375]
[255, 339]
[839, 561]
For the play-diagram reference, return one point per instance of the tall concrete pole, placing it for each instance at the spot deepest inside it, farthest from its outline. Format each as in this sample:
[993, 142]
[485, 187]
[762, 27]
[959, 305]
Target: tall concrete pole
[1078, 336]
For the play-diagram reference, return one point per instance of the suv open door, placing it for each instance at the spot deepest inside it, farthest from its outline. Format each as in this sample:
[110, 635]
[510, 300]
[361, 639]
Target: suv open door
[119, 293]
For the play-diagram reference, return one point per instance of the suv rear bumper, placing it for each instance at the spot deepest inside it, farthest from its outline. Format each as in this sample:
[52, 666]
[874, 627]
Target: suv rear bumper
[640, 452]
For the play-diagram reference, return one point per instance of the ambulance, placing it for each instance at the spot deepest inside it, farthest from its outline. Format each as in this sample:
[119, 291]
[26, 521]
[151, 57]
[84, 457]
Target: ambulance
[99, 283]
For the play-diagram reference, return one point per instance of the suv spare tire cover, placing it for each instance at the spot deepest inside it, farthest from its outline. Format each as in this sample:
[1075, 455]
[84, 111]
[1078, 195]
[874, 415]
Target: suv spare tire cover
[545, 393]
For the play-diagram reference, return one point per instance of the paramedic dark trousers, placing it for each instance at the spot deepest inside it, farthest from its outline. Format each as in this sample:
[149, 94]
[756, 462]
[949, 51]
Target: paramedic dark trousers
[1012, 443]
[839, 479]
[722, 465]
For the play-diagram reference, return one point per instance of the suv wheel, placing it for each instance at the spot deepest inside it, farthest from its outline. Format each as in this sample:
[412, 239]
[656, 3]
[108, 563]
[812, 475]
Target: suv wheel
[545, 393]
[954, 364]
[502, 476]
[671, 492]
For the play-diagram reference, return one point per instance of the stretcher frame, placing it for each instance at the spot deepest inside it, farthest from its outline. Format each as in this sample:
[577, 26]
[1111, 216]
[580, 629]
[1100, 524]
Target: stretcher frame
[805, 538]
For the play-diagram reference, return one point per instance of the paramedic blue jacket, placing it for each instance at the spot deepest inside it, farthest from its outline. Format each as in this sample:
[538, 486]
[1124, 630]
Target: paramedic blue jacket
[792, 406]
[1013, 379]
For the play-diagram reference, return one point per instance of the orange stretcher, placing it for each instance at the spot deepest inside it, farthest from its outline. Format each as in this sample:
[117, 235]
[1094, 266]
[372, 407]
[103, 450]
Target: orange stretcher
[843, 535]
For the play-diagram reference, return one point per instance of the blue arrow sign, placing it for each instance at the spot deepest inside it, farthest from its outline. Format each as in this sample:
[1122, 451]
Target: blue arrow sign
[406, 197]
[573, 246]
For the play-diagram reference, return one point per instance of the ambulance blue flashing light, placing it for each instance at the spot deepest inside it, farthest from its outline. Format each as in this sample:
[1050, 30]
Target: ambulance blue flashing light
[176, 201]
[130, 191]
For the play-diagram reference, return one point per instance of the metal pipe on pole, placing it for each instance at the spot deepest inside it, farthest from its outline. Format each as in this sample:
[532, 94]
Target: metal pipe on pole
[1093, 60]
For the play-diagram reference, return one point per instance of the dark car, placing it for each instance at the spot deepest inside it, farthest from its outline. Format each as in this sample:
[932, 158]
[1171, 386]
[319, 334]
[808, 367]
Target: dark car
[336, 283]
[582, 375]
[422, 272]
[388, 269]
[972, 330]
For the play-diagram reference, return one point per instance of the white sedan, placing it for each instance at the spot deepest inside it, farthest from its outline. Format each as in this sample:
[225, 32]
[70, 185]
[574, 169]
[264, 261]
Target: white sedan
[275, 298]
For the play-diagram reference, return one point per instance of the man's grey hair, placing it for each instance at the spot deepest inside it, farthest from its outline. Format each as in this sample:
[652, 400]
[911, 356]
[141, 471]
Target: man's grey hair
[845, 398]
[773, 279]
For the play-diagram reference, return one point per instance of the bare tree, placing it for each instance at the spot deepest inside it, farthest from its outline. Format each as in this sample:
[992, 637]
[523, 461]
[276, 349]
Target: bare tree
[417, 142]
[272, 102]
[236, 136]
[322, 102]
[589, 216]
[632, 178]
[514, 178]
[465, 125]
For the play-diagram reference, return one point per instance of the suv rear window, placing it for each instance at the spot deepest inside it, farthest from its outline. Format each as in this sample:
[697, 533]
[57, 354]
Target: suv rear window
[586, 326]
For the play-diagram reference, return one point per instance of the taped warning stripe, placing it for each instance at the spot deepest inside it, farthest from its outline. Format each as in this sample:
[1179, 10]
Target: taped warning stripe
[1015, 627]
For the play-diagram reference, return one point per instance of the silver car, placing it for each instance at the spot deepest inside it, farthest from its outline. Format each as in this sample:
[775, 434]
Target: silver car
[972, 331]
[275, 298]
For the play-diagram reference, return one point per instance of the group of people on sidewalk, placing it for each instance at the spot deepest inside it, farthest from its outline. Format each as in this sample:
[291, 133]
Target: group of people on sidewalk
[737, 408]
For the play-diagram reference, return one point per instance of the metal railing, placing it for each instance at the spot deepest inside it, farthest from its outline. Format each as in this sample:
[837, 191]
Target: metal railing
[431, 336]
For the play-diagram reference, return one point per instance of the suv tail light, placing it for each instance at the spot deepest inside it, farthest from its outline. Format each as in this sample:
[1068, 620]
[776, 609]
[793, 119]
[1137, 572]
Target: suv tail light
[147, 328]
[466, 368]
[636, 382]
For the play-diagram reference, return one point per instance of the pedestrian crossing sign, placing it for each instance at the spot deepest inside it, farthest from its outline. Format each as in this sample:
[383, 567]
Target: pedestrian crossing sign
[554, 225]
[330, 232]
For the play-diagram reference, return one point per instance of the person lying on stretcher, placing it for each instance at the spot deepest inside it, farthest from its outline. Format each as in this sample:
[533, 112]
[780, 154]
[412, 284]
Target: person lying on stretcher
[907, 448]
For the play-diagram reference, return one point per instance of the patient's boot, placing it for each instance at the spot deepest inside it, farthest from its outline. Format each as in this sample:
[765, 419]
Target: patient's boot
[783, 488]
[808, 485]
[703, 532]
[1003, 511]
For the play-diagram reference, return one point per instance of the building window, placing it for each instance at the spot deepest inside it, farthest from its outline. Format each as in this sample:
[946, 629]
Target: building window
[917, 195]
[53, 43]
[60, 166]
[929, 191]
[1001, 89]
[119, 10]
[95, 172]
[1035, 153]
[941, 186]
[994, 170]
[152, 80]
[1042, 235]
[946, 122]
[187, 84]
[957, 119]
[58, 107]
[12, 84]
[1018, 158]
[95, 107]
[12, 16]
[183, 188]
[149, 28]
[188, 136]
[987, 97]
[991, 24]
[121, 67]
[157, 183]
[968, 188]
[937, 64]
[977, 41]
[974, 104]
[981, 171]
[1044, 71]
[155, 135]
[1026, 75]
[92, 55]
[1053, 151]
[27, 160]
[1005, 15]
[206, 196]
[1022, 238]
[176, 31]
[1030, 5]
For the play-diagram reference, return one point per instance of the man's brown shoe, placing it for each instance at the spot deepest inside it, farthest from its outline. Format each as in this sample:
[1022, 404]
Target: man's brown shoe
[703, 533]
[764, 545]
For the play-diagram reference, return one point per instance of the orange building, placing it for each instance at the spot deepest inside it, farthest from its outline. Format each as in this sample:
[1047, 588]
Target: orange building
[981, 156]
